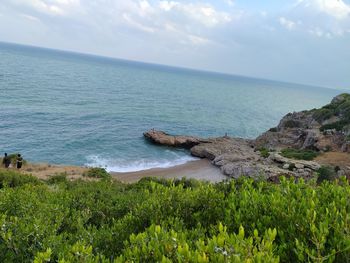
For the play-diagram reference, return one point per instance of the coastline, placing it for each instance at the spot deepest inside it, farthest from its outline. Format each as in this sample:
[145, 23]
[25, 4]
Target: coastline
[198, 169]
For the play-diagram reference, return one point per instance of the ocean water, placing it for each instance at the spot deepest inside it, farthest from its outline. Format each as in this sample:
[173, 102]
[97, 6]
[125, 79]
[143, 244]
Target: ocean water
[67, 108]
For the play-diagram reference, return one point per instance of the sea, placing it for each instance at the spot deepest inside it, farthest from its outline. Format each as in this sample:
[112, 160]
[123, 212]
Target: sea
[75, 109]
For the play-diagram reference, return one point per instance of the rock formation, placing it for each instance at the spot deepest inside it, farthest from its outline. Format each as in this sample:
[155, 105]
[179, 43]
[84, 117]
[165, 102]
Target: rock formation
[162, 138]
[325, 129]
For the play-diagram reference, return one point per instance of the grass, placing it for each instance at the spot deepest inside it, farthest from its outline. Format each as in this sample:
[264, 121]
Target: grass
[299, 154]
[264, 152]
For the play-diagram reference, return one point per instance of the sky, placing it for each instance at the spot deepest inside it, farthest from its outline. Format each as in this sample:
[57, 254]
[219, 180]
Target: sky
[301, 41]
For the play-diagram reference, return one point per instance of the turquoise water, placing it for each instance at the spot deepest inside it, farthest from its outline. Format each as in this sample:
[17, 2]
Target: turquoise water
[77, 109]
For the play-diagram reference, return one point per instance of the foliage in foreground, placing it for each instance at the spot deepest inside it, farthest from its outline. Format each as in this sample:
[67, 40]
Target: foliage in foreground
[174, 221]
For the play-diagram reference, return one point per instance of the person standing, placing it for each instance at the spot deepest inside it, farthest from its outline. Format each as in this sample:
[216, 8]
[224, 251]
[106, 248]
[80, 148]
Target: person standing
[6, 161]
[19, 161]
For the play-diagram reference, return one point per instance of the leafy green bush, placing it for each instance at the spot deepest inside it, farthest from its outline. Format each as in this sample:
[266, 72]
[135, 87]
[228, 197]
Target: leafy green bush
[150, 221]
[157, 244]
[9, 178]
[299, 154]
[97, 172]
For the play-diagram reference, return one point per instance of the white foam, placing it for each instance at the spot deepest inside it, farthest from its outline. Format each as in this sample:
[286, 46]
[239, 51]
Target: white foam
[123, 166]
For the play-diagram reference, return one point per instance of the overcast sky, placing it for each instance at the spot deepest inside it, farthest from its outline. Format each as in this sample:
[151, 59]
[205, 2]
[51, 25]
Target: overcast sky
[303, 41]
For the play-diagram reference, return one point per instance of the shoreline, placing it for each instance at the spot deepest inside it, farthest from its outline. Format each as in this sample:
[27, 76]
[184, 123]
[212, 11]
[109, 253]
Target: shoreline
[197, 169]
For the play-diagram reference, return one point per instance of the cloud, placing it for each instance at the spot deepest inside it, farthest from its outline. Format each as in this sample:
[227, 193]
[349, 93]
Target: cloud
[288, 24]
[204, 14]
[334, 8]
[49, 7]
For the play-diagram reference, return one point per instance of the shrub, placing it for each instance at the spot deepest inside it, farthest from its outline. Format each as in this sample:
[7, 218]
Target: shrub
[157, 244]
[327, 173]
[323, 114]
[292, 124]
[58, 178]
[14, 179]
[97, 172]
[106, 221]
[264, 152]
[299, 154]
[338, 126]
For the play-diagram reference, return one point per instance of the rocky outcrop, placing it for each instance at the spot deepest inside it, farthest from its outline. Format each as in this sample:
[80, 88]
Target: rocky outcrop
[162, 138]
[321, 129]
[299, 130]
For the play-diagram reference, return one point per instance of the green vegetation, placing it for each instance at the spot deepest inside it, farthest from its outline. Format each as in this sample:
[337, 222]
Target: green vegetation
[97, 173]
[292, 124]
[338, 125]
[172, 221]
[299, 154]
[264, 152]
[327, 173]
[339, 108]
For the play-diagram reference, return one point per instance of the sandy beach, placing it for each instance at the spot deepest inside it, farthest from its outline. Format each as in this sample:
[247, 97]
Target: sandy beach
[200, 170]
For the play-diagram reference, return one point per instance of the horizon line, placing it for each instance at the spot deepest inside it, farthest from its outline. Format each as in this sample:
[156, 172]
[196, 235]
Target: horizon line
[183, 68]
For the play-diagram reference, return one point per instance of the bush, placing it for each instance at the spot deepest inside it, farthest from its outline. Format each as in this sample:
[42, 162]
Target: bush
[327, 173]
[10, 178]
[157, 244]
[292, 124]
[323, 114]
[299, 154]
[264, 152]
[338, 126]
[57, 178]
[150, 221]
[97, 173]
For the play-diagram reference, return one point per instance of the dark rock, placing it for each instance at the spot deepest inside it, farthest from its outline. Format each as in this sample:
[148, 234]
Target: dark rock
[162, 138]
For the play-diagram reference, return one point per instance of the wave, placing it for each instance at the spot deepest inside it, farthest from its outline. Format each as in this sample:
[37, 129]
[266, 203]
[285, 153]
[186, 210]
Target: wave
[123, 166]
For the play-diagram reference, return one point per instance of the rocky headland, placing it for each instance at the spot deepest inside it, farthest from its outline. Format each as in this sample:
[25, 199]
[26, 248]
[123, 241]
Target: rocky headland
[288, 149]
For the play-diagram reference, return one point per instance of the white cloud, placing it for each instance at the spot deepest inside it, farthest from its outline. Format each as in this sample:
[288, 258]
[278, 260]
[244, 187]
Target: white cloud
[288, 24]
[202, 13]
[49, 7]
[334, 8]
[167, 5]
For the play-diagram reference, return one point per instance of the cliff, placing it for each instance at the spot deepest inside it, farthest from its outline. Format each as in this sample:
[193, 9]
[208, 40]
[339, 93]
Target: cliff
[278, 151]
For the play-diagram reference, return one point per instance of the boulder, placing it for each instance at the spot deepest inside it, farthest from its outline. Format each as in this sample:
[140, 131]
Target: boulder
[162, 138]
